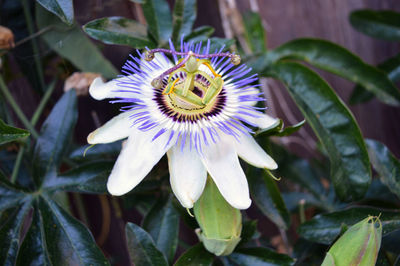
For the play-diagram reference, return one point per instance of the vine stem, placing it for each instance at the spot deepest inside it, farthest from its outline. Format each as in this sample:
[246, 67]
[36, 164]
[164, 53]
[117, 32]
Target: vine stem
[15, 107]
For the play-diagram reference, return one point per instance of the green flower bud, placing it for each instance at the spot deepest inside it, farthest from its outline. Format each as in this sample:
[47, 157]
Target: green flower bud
[359, 245]
[220, 223]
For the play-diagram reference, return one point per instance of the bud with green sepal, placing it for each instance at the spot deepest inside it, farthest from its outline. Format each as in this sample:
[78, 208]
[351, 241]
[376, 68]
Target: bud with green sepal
[359, 245]
[220, 223]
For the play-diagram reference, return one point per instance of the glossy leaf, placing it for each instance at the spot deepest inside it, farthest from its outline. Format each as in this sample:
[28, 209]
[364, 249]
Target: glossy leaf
[84, 153]
[334, 126]
[386, 164]
[64, 40]
[255, 33]
[324, 228]
[183, 18]
[10, 194]
[200, 34]
[9, 133]
[54, 136]
[33, 250]
[337, 60]
[62, 8]
[249, 230]
[88, 178]
[293, 199]
[118, 30]
[10, 233]
[162, 223]
[382, 24]
[259, 256]
[279, 129]
[391, 67]
[158, 18]
[66, 238]
[195, 256]
[266, 196]
[141, 247]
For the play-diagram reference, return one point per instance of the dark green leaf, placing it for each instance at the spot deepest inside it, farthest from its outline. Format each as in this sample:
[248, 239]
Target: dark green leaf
[259, 256]
[266, 195]
[66, 40]
[9, 194]
[97, 151]
[255, 33]
[159, 20]
[183, 18]
[279, 131]
[383, 24]
[334, 126]
[162, 223]
[33, 250]
[249, 230]
[195, 256]
[217, 43]
[324, 228]
[386, 164]
[67, 239]
[141, 247]
[118, 30]
[293, 200]
[200, 34]
[62, 8]
[54, 136]
[336, 59]
[391, 67]
[10, 233]
[87, 178]
[8, 133]
[137, 1]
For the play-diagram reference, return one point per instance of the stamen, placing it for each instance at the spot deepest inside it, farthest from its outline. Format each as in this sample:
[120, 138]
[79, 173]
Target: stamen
[211, 69]
[170, 89]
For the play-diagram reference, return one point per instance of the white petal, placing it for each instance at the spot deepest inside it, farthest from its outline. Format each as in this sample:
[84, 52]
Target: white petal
[115, 129]
[135, 161]
[223, 166]
[249, 150]
[187, 174]
[263, 121]
[101, 90]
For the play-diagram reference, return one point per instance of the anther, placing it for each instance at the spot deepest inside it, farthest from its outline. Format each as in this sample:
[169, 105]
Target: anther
[235, 59]
[148, 56]
[156, 83]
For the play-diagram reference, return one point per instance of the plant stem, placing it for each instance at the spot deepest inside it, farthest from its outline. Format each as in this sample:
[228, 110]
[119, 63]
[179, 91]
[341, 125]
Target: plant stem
[17, 164]
[35, 47]
[43, 103]
[15, 107]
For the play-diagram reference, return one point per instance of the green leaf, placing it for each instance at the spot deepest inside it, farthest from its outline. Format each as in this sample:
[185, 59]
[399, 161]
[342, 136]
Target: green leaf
[293, 199]
[334, 126]
[8, 133]
[162, 223]
[62, 8]
[385, 164]
[67, 239]
[85, 153]
[87, 178]
[159, 20]
[200, 34]
[255, 33]
[383, 24]
[118, 30]
[54, 136]
[65, 40]
[9, 193]
[391, 67]
[10, 233]
[195, 256]
[249, 230]
[337, 60]
[267, 197]
[217, 43]
[325, 228]
[279, 131]
[33, 250]
[141, 247]
[259, 256]
[183, 18]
